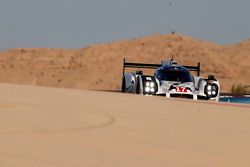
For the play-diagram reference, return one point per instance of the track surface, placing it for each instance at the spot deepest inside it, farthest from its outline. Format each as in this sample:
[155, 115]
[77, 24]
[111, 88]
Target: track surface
[47, 127]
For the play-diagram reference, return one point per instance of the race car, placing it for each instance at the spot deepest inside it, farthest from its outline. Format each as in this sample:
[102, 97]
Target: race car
[171, 80]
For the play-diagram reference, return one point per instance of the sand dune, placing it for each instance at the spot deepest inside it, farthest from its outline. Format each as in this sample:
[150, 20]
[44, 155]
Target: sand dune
[100, 66]
[62, 127]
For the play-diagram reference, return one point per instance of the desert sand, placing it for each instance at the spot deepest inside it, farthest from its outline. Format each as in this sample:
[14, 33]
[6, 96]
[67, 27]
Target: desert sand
[99, 67]
[56, 127]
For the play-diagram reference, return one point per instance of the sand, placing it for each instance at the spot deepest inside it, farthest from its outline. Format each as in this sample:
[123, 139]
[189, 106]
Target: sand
[99, 67]
[52, 127]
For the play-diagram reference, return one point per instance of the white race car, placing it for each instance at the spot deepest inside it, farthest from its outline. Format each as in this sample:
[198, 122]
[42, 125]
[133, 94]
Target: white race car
[170, 80]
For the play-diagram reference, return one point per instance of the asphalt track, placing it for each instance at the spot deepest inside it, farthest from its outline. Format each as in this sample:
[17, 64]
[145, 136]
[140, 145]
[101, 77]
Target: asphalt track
[49, 127]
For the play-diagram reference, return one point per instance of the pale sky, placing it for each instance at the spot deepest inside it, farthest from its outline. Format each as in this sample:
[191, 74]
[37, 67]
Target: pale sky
[79, 23]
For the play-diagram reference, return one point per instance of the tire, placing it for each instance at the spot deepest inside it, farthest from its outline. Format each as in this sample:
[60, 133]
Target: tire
[138, 86]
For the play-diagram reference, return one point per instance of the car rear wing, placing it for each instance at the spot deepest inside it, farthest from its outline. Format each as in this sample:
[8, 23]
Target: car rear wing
[138, 65]
[155, 66]
[194, 68]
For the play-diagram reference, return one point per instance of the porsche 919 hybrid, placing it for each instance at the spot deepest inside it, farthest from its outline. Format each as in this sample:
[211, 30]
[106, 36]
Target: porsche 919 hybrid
[171, 80]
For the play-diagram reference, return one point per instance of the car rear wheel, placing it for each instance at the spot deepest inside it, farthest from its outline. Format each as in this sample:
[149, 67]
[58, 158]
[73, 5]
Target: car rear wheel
[138, 86]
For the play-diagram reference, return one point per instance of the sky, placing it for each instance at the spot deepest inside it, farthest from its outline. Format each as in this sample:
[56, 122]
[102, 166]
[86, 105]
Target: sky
[79, 23]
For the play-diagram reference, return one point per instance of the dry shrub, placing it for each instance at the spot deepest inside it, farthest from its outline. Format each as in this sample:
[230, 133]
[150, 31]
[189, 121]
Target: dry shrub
[240, 89]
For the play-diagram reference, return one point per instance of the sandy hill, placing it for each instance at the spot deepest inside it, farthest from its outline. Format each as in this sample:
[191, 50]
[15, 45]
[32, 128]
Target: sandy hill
[100, 66]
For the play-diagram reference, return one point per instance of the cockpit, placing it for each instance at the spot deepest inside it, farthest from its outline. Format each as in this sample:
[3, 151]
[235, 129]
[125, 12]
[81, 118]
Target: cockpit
[174, 75]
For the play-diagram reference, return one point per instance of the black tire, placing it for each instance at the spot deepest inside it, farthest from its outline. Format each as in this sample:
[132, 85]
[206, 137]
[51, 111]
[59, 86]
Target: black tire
[138, 86]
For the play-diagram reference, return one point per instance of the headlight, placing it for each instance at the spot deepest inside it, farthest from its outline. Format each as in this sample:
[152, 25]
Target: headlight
[152, 84]
[209, 87]
[147, 89]
[150, 87]
[211, 90]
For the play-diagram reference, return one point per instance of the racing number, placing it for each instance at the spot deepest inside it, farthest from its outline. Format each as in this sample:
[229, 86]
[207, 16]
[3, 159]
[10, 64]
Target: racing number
[181, 89]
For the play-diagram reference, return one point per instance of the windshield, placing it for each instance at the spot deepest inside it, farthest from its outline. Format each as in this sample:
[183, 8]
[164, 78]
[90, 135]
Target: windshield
[174, 75]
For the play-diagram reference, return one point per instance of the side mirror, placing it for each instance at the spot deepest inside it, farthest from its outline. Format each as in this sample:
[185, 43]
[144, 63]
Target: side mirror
[139, 73]
[211, 77]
